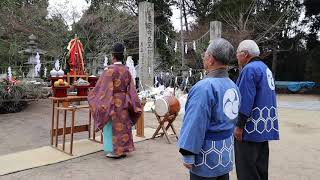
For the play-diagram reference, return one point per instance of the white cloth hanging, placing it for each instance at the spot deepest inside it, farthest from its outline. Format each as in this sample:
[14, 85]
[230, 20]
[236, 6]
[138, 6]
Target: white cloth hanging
[9, 73]
[131, 67]
[45, 72]
[186, 48]
[175, 46]
[105, 64]
[37, 67]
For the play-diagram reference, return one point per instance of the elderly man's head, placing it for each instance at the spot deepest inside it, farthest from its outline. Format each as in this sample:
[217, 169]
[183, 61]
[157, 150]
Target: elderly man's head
[218, 54]
[247, 49]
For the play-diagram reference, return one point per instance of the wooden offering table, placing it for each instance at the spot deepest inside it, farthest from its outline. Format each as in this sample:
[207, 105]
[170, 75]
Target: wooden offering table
[56, 131]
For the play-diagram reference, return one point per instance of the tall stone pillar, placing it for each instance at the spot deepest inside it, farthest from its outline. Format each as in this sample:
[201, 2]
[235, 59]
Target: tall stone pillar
[215, 29]
[146, 44]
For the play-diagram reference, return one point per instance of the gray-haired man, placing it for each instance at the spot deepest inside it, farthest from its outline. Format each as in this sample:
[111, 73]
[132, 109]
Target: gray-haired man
[258, 120]
[206, 140]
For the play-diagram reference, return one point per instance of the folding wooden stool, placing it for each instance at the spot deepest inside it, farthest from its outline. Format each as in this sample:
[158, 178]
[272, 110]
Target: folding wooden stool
[167, 118]
[166, 110]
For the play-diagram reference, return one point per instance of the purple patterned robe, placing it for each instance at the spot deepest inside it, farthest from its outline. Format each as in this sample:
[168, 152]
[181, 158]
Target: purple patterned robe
[115, 97]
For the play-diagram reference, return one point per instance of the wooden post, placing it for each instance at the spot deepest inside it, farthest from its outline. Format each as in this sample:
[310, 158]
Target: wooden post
[140, 123]
[146, 43]
[215, 29]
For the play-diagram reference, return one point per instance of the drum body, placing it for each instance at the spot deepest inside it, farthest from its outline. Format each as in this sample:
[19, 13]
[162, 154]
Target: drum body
[167, 104]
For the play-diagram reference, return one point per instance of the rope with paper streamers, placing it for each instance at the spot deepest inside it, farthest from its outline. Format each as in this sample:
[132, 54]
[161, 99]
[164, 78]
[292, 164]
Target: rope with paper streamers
[173, 43]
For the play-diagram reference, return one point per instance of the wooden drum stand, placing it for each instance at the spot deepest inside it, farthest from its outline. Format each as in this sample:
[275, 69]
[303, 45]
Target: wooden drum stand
[166, 110]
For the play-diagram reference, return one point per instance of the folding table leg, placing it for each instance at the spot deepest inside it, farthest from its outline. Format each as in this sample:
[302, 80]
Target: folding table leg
[64, 129]
[52, 122]
[72, 127]
[57, 126]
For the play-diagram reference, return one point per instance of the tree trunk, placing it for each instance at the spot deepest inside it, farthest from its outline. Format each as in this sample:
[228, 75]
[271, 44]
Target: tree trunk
[274, 60]
[185, 17]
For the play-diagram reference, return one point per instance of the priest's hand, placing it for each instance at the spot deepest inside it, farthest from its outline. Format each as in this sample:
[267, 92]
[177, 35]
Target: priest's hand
[188, 166]
[238, 133]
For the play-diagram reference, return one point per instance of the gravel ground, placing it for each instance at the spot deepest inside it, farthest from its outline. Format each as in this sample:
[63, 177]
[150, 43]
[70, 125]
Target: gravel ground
[294, 157]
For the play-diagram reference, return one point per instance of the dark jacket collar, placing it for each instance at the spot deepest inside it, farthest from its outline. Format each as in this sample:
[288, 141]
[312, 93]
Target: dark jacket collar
[218, 73]
[256, 58]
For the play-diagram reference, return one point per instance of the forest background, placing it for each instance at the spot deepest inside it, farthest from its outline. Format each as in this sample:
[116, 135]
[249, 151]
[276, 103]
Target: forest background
[287, 31]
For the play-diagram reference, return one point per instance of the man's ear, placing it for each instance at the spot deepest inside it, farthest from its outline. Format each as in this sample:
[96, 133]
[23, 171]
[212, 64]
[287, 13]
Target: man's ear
[246, 54]
[212, 60]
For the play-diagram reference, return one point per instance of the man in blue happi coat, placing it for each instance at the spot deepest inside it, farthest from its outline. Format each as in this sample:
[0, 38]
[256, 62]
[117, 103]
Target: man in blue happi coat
[206, 137]
[258, 120]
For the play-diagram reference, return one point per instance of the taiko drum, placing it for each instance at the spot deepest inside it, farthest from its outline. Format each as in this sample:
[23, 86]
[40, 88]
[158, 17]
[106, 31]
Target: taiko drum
[167, 104]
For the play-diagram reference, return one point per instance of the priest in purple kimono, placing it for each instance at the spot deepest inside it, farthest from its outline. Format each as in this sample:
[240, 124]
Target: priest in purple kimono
[115, 106]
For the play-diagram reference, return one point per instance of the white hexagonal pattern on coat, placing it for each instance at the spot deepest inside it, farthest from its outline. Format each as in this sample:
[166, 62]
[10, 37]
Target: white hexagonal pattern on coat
[263, 122]
[219, 154]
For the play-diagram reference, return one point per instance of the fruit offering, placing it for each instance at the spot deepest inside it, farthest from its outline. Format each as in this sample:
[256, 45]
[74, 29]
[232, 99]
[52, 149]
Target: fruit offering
[60, 82]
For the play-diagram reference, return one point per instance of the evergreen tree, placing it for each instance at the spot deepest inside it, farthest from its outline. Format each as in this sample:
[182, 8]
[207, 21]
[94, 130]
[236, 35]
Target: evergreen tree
[313, 44]
[129, 18]
[21, 18]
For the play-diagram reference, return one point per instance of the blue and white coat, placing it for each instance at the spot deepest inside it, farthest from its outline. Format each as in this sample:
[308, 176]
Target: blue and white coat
[257, 89]
[207, 130]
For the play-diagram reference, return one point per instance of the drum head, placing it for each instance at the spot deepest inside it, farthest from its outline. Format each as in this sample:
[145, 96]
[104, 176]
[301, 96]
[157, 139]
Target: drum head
[161, 107]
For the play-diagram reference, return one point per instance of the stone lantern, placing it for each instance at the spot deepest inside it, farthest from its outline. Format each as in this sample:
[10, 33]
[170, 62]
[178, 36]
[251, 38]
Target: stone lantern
[31, 52]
